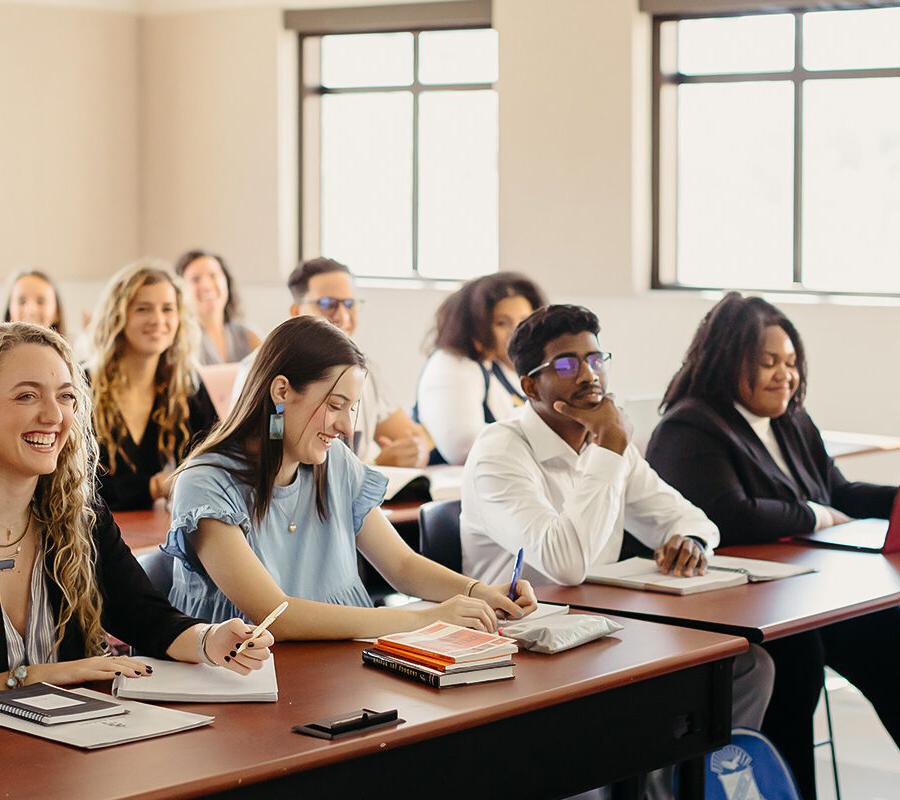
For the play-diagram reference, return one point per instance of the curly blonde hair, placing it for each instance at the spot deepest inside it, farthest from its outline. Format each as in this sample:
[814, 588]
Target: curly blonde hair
[63, 502]
[175, 381]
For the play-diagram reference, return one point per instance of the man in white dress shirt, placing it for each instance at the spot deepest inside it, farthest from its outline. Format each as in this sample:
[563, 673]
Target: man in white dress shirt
[563, 481]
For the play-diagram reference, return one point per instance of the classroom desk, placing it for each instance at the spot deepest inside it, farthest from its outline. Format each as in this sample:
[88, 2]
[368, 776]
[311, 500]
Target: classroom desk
[650, 695]
[147, 528]
[847, 584]
[842, 444]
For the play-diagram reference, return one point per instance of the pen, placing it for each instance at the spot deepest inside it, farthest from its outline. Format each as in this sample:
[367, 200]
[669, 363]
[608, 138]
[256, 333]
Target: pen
[263, 626]
[517, 571]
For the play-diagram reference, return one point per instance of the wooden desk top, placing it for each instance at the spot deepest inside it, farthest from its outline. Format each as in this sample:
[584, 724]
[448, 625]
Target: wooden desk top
[253, 742]
[842, 444]
[148, 528]
[847, 584]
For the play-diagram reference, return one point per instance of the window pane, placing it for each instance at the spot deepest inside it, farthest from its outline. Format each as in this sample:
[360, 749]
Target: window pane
[458, 184]
[366, 194]
[458, 56]
[852, 39]
[763, 43]
[735, 184]
[851, 185]
[367, 59]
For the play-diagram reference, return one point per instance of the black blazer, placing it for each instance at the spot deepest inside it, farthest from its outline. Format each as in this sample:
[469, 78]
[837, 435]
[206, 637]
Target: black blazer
[133, 610]
[129, 487]
[714, 458]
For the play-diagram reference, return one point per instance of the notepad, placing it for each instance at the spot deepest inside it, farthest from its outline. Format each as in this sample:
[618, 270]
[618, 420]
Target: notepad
[722, 573]
[141, 721]
[442, 482]
[177, 682]
[46, 704]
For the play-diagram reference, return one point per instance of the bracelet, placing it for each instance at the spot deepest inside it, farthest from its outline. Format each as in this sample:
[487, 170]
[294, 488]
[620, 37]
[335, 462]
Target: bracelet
[202, 655]
[472, 584]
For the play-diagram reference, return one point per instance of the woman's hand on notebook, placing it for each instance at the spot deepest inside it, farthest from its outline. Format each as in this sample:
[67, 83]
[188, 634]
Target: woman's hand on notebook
[469, 612]
[497, 597]
[224, 640]
[98, 668]
[682, 556]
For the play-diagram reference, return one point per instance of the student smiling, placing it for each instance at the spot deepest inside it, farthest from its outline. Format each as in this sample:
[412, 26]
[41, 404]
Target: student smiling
[66, 576]
[273, 506]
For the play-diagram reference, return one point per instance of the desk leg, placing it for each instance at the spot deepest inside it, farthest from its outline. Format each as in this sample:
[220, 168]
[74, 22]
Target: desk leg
[692, 778]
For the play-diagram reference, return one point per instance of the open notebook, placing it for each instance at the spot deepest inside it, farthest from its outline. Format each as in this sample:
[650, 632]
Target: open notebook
[722, 572]
[441, 482]
[176, 682]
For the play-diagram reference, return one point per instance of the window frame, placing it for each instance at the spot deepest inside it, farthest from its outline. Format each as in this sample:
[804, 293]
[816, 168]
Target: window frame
[416, 89]
[664, 209]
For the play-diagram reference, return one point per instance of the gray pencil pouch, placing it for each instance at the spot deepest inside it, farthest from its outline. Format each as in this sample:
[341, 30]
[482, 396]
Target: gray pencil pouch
[560, 632]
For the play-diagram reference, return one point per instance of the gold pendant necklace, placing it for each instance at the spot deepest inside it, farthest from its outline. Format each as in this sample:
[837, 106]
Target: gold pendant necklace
[10, 561]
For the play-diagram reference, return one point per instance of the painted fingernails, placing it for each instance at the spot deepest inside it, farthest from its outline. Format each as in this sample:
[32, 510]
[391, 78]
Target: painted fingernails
[118, 674]
[249, 644]
[233, 653]
[228, 658]
[149, 670]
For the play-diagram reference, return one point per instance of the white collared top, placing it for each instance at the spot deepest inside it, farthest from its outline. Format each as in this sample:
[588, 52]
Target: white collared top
[523, 486]
[762, 427]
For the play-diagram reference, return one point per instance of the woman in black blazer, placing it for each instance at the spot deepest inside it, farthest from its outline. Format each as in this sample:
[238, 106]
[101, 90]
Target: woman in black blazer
[736, 442]
[66, 576]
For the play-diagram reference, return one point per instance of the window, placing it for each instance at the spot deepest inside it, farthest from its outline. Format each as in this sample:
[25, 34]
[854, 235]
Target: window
[399, 145]
[777, 151]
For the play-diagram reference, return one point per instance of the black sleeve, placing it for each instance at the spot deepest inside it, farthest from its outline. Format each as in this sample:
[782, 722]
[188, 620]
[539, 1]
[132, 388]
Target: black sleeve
[133, 610]
[202, 416]
[129, 488]
[855, 498]
[699, 465]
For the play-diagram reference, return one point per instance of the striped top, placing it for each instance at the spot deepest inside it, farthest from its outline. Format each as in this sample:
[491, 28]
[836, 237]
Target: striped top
[37, 646]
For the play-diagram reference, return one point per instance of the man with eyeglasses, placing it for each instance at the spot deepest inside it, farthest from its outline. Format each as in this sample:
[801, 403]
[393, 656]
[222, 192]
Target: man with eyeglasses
[563, 481]
[385, 434]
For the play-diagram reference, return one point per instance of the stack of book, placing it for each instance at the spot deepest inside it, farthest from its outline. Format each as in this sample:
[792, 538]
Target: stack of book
[442, 654]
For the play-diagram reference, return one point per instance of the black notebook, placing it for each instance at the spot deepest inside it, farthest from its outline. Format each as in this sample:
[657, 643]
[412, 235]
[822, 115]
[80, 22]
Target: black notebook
[50, 705]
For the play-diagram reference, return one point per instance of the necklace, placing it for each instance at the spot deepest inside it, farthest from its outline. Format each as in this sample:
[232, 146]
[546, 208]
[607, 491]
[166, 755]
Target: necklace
[10, 562]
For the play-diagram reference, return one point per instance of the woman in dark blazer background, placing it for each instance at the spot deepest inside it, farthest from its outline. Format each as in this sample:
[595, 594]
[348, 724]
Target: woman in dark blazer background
[736, 442]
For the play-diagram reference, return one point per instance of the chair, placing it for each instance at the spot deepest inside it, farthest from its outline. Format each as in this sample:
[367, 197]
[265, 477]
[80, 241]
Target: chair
[439, 533]
[219, 380]
[158, 566]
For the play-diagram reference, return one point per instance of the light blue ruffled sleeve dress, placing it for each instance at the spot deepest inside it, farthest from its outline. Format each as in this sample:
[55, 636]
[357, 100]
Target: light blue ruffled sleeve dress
[317, 561]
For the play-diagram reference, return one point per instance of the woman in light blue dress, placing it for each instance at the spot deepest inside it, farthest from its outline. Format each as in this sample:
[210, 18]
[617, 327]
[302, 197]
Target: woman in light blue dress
[273, 507]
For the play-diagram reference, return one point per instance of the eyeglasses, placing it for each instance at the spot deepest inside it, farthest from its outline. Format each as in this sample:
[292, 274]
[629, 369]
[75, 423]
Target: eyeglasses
[568, 366]
[329, 305]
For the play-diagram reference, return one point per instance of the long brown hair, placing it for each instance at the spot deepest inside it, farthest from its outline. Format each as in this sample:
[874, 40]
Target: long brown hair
[175, 373]
[727, 346]
[233, 305]
[63, 502]
[60, 325]
[303, 350]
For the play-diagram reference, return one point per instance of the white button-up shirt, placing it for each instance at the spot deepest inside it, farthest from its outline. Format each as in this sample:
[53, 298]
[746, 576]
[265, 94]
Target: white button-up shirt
[523, 486]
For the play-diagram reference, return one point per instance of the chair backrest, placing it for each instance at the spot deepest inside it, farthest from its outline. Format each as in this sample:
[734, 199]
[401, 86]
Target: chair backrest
[219, 380]
[158, 566]
[748, 767]
[439, 533]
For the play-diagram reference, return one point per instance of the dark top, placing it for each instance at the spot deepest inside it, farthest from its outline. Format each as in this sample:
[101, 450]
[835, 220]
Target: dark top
[133, 610]
[129, 487]
[714, 458]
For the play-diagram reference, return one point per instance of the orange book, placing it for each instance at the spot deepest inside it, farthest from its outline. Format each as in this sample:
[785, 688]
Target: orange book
[448, 644]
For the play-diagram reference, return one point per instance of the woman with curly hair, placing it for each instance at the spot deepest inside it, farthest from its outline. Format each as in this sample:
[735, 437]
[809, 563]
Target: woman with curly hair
[66, 576]
[148, 402]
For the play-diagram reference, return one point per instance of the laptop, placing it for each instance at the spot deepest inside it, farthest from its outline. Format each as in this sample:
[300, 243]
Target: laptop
[866, 535]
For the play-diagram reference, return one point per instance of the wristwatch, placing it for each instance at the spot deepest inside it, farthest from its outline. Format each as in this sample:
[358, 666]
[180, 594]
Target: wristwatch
[17, 677]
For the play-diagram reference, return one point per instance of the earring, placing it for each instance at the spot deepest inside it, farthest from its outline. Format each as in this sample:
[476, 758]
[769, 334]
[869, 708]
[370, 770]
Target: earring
[276, 422]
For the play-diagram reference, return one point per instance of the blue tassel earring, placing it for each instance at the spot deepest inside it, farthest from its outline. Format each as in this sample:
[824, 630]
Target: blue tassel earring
[276, 422]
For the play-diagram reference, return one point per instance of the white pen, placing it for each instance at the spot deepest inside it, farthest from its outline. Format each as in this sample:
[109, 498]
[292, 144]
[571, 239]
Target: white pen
[263, 626]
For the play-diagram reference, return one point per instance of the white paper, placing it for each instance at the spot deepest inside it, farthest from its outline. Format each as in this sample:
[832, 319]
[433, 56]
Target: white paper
[48, 702]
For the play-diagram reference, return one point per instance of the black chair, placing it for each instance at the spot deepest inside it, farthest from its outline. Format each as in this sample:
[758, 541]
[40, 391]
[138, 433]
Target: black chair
[439, 533]
[158, 566]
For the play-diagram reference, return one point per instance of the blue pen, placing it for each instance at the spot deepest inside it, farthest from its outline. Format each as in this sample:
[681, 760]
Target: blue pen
[517, 571]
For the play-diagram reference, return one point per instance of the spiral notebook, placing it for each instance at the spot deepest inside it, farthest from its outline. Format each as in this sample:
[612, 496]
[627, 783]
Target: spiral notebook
[46, 704]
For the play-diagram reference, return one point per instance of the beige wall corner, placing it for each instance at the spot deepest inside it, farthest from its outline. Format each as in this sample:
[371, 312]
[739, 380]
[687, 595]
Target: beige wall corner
[210, 144]
[68, 139]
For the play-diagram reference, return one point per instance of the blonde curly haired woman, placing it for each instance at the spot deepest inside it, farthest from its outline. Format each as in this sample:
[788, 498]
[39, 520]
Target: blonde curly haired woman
[149, 403]
[66, 576]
